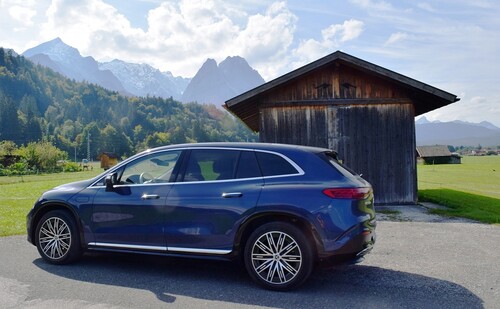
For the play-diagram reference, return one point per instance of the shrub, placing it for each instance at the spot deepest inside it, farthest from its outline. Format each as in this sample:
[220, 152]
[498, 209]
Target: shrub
[71, 167]
[42, 156]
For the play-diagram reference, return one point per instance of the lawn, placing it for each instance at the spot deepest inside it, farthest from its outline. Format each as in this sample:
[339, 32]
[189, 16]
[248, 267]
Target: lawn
[477, 175]
[19, 193]
[469, 190]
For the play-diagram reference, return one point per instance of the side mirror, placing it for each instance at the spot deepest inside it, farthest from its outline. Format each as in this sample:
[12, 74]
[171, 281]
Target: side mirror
[110, 181]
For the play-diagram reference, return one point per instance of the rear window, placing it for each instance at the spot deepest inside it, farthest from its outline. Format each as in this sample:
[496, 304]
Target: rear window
[332, 158]
[274, 165]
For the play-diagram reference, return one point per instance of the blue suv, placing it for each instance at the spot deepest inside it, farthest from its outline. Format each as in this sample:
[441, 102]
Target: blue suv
[280, 209]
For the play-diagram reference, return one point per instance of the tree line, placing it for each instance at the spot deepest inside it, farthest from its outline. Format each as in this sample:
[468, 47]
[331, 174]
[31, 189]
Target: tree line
[38, 104]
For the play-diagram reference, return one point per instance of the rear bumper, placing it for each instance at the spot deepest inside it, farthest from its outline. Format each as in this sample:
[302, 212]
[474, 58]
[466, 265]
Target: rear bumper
[352, 246]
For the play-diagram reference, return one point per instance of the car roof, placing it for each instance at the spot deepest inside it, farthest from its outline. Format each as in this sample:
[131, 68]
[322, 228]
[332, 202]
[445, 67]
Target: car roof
[260, 146]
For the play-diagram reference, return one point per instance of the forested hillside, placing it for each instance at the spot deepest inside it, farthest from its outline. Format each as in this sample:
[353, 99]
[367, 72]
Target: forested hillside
[37, 103]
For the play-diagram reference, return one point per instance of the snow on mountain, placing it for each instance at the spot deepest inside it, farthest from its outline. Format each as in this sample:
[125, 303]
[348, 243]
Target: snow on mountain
[179, 81]
[68, 61]
[144, 80]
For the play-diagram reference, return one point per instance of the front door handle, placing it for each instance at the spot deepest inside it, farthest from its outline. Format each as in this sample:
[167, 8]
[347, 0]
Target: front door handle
[150, 197]
[232, 195]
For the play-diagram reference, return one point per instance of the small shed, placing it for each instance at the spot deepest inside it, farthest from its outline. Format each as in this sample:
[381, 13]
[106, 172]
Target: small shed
[108, 160]
[363, 111]
[438, 154]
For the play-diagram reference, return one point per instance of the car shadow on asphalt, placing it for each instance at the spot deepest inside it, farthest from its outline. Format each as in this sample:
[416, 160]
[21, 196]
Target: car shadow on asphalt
[346, 286]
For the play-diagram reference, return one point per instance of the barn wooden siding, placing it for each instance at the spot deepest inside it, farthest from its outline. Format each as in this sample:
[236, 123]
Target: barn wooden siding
[375, 140]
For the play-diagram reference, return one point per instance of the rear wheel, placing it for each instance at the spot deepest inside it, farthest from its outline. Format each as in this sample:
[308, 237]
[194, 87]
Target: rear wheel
[57, 238]
[278, 256]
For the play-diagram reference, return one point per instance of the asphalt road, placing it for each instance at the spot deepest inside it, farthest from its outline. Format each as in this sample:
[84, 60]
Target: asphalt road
[444, 264]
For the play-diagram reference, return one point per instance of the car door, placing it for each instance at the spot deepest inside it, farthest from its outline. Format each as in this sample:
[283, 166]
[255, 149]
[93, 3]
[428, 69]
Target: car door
[131, 215]
[214, 191]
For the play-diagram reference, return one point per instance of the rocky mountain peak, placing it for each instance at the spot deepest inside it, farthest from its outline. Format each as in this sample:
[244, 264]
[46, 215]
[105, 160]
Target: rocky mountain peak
[217, 83]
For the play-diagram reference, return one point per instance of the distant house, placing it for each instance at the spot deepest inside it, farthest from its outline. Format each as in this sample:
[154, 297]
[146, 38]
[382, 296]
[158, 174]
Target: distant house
[108, 159]
[438, 154]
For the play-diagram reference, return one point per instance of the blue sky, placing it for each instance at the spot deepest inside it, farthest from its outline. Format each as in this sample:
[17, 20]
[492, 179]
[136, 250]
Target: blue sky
[450, 44]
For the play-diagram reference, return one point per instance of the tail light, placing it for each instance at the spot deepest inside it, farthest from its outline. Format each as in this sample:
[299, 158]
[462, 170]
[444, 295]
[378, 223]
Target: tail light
[348, 193]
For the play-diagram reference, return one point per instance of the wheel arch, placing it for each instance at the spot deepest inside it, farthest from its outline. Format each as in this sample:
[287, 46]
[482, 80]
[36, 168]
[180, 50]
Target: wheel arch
[50, 206]
[259, 219]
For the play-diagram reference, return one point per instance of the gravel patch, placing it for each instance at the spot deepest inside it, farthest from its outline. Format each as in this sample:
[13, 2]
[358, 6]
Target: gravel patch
[414, 213]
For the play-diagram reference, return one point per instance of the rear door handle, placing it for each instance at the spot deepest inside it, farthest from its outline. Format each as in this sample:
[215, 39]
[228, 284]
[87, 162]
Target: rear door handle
[150, 197]
[232, 195]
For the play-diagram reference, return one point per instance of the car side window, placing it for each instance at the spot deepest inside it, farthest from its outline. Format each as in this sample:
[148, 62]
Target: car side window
[248, 166]
[274, 165]
[151, 168]
[210, 164]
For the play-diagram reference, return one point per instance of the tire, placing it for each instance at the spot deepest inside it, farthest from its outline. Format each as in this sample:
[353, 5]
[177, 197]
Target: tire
[278, 256]
[56, 238]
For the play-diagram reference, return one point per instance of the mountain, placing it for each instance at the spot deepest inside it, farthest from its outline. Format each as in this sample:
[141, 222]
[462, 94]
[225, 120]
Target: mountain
[67, 60]
[484, 124]
[217, 83]
[456, 133]
[179, 81]
[144, 80]
[212, 84]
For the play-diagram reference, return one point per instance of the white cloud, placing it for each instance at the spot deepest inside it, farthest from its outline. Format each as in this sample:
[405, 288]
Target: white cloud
[22, 14]
[373, 5]
[475, 109]
[349, 30]
[86, 25]
[332, 38]
[266, 39]
[426, 6]
[396, 37]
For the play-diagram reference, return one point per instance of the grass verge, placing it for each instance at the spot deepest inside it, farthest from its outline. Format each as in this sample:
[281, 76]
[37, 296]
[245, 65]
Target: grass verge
[19, 193]
[461, 204]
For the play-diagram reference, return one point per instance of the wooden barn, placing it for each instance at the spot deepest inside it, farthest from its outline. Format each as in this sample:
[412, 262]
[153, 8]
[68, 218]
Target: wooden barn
[361, 110]
[108, 160]
[437, 154]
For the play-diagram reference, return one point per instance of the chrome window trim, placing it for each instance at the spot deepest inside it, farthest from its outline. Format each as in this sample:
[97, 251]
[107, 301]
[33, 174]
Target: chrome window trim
[300, 171]
[160, 248]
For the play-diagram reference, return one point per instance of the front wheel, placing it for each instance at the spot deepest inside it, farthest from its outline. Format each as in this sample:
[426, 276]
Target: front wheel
[278, 256]
[57, 238]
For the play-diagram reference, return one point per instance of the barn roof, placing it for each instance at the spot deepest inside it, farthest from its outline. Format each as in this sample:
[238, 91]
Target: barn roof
[110, 155]
[433, 151]
[425, 97]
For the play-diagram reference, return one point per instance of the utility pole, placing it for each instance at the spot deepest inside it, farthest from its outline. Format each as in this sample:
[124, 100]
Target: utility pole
[88, 147]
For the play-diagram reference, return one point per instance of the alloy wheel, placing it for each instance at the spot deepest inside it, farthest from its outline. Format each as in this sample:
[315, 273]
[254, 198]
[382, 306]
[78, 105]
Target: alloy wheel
[276, 257]
[55, 238]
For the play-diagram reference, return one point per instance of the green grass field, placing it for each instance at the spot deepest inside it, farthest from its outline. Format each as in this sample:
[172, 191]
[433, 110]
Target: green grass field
[477, 175]
[19, 193]
[470, 189]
